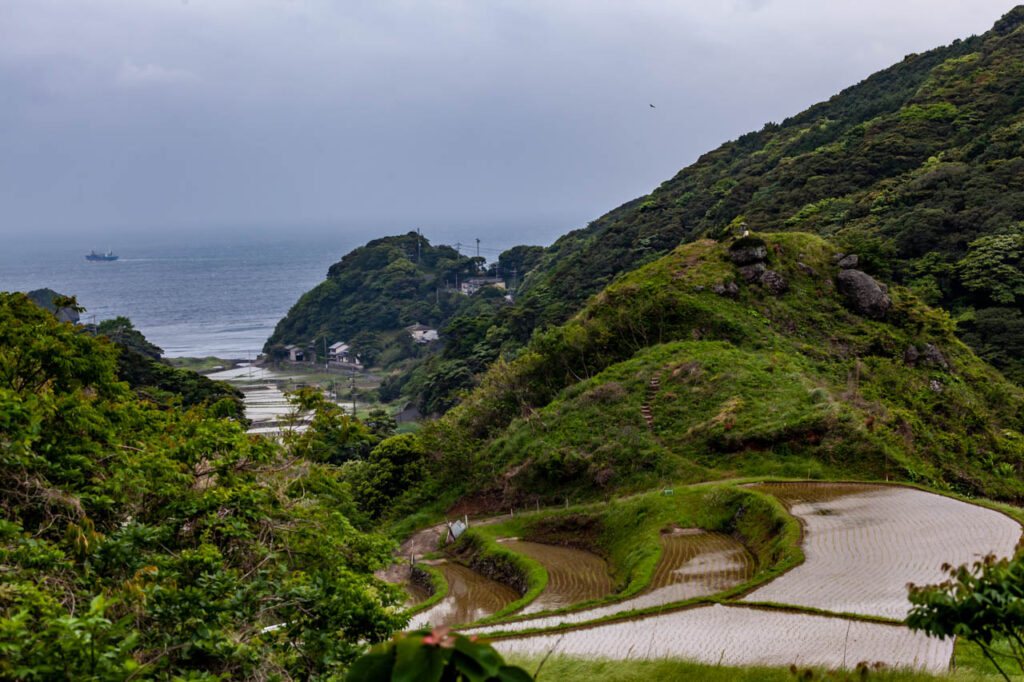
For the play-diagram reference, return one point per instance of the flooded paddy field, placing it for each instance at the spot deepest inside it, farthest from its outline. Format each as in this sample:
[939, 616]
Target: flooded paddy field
[417, 594]
[694, 563]
[864, 543]
[470, 597]
[574, 575]
[265, 403]
[741, 636]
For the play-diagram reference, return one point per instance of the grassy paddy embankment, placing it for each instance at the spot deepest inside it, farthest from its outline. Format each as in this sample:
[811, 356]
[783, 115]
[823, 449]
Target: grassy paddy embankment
[904, 532]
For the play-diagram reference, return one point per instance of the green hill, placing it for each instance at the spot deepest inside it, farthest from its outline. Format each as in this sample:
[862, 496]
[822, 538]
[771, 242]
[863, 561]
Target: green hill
[693, 368]
[374, 292]
[920, 168]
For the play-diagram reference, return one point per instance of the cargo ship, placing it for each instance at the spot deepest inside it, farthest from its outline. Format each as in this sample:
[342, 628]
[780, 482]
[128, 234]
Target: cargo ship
[109, 255]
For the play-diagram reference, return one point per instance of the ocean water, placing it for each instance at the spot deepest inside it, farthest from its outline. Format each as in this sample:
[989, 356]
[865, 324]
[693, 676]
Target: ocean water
[207, 294]
[197, 298]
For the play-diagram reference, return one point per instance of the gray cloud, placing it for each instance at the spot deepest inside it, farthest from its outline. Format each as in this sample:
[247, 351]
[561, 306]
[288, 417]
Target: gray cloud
[393, 112]
[131, 74]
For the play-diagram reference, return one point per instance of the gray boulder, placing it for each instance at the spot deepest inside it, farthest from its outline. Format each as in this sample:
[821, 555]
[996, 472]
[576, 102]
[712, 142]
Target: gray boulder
[730, 290]
[929, 355]
[865, 295]
[848, 261]
[933, 356]
[746, 253]
[773, 282]
[752, 272]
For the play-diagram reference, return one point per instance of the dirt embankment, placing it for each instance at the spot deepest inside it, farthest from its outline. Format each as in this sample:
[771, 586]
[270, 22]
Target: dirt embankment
[498, 564]
[420, 578]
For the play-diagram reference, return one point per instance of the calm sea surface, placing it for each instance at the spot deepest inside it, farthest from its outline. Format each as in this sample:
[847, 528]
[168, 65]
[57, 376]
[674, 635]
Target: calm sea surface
[214, 295]
[191, 299]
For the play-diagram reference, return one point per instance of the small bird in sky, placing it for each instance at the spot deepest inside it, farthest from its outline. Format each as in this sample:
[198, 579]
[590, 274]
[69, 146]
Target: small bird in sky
[652, 106]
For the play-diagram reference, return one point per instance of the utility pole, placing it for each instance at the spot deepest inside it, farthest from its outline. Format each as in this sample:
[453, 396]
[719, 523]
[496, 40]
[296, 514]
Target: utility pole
[418, 238]
[353, 391]
[477, 247]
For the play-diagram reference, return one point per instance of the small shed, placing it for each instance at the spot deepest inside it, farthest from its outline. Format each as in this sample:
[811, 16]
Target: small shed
[295, 354]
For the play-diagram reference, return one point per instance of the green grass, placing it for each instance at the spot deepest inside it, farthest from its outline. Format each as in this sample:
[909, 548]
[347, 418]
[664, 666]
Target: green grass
[794, 385]
[200, 365]
[568, 669]
[627, 533]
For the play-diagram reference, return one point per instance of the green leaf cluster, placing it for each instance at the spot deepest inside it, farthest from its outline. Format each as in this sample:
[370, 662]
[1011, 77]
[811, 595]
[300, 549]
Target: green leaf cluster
[437, 656]
[982, 603]
[142, 542]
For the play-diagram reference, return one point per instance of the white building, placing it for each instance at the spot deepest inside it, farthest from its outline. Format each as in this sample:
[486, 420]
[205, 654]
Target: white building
[473, 284]
[421, 333]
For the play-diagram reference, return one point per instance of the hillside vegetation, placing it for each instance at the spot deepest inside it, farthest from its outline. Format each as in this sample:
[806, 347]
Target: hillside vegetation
[388, 284]
[919, 168]
[684, 371]
[145, 543]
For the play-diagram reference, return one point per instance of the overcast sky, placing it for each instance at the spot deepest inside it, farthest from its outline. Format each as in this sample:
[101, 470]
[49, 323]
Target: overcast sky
[138, 115]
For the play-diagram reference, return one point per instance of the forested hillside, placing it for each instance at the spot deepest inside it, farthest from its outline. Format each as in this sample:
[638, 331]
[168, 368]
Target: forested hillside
[919, 168]
[144, 543]
[377, 289]
[766, 355]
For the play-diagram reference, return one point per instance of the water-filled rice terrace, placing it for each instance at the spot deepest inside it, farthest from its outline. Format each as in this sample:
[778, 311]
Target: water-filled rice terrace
[574, 575]
[708, 600]
[470, 597]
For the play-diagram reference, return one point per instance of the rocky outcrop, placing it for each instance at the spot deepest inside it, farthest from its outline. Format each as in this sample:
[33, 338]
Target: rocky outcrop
[848, 261]
[752, 272]
[420, 578]
[730, 290]
[773, 282]
[928, 355]
[748, 250]
[866, 296]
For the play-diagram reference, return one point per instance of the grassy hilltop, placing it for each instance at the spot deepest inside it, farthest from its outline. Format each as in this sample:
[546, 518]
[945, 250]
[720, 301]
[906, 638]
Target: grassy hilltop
[919, 168]
[659, 378]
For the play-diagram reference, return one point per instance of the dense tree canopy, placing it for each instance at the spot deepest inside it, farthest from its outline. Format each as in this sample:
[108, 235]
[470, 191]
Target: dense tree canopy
[137, 541]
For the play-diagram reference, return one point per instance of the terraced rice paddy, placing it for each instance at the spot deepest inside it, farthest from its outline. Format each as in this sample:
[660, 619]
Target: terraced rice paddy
[470, 597]
[693, 563]
[864, 543]
[573, 575]
[743, 636]
[416, 593]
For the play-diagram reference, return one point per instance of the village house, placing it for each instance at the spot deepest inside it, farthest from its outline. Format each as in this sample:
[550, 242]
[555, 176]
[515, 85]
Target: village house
[421, 333]
[341, 352]
[473, 284]
[295, 354]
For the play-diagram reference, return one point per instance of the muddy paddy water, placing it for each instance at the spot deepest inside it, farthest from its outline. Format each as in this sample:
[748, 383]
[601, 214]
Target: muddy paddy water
[573, 575]
[470, 597]
[864, 543]
[694, 563]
